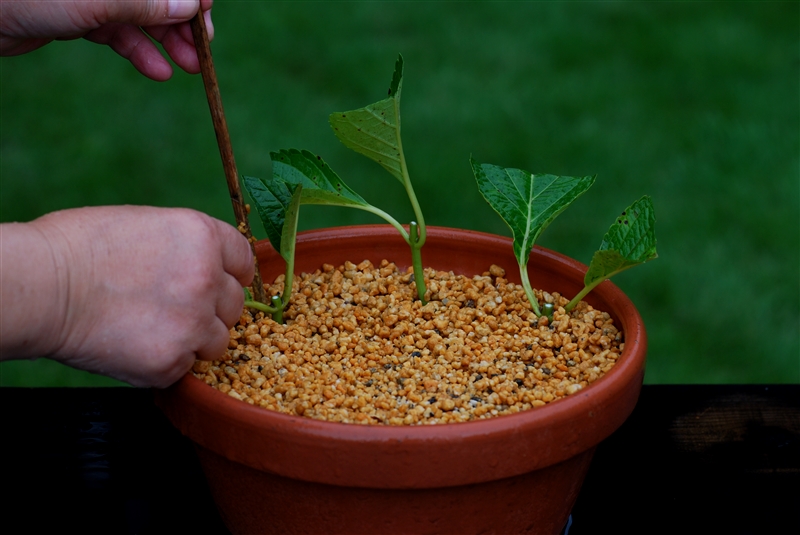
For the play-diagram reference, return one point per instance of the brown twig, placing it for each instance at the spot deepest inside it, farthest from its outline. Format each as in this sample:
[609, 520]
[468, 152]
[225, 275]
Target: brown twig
[200, 33]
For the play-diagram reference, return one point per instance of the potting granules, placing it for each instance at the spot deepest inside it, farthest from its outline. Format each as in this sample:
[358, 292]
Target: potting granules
[359, 347]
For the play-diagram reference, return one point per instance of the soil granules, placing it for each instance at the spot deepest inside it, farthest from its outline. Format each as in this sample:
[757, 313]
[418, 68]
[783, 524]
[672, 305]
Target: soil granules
[358, 346]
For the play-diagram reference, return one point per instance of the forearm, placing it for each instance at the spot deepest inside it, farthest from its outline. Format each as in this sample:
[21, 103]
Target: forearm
[33, 292]
[133, 292]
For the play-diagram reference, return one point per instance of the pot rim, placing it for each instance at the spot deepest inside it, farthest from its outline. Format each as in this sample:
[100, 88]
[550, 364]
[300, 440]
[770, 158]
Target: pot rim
[584, 418]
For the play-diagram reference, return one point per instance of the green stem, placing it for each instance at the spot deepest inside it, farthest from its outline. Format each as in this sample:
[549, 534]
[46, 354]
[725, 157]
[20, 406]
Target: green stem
[277, 316]
[416, 260]
[526, 284]
[258, 305]
[415, 238]
[417, 233]
[389, 219]
[412, 197]
[577, 299]
[420, 222]
[288, 282]
[276, 311]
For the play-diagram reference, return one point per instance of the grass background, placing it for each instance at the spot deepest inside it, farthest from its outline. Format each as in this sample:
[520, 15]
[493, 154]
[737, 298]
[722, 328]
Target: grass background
[694, 103]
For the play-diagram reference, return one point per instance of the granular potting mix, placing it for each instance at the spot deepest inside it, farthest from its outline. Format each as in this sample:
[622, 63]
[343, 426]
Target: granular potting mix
[359, 347]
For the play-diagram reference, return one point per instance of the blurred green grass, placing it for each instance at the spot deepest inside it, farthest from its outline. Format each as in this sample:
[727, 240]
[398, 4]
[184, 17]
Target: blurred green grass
[695, 104]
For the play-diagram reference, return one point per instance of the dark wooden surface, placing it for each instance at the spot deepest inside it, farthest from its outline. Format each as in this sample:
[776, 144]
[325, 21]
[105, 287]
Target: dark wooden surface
[691, 459]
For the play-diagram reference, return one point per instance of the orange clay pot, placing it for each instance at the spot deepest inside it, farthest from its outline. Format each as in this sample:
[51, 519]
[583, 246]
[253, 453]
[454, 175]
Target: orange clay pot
[273, 473]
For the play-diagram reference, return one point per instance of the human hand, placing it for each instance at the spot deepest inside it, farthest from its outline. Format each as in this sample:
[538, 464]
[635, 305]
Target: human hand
[136, 293]
[121, 24]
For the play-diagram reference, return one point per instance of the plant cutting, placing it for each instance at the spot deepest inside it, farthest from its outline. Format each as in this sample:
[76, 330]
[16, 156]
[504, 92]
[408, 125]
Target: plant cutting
[396, 341]
[373, 131]
[528, 203]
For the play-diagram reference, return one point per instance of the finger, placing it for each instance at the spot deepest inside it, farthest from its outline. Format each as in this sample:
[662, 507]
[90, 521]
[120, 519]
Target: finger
[186, 30]
[237, 255]
[70, 19]
[217, 338]
[182, 52]
[132, 44]
[209, 24]
[230, 302]
[178, 42]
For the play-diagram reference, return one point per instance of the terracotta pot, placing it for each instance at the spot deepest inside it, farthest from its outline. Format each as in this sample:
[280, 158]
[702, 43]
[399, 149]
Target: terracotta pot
[274, 473]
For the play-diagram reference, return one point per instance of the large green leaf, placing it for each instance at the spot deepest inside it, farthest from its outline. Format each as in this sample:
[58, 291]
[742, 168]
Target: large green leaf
[374, 131]
[321, 185]
[630, 241]
[272, 200]
[528, 203]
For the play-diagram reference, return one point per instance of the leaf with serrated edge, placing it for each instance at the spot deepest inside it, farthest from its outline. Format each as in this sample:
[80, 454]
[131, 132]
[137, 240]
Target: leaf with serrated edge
[374, 131]
[272, 199]
[321, 185]
[528, 203]
[630, 241]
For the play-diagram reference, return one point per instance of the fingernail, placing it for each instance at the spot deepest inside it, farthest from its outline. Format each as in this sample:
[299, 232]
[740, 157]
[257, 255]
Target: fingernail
[209, 25]
[182, 9]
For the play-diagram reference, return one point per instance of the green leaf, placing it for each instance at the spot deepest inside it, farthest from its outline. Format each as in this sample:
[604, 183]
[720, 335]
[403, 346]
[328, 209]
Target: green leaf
[272, 199]
[630, 241]
[374, 131]
[278, 204]
[528, 203]
[321, 185]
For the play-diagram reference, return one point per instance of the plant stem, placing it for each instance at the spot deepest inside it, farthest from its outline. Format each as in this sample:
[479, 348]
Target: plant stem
[417, 232]
[200, 34]
[279, 305]
[259, 306]
[288, 282]
[414, 239]
[416, 260]
[577, 299]
[526, 284]
[412, 197]
[276, 311]
[420, 222]
[389, 219]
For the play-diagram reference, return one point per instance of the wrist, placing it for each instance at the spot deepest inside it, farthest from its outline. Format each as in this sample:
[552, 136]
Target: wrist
[35, 283]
